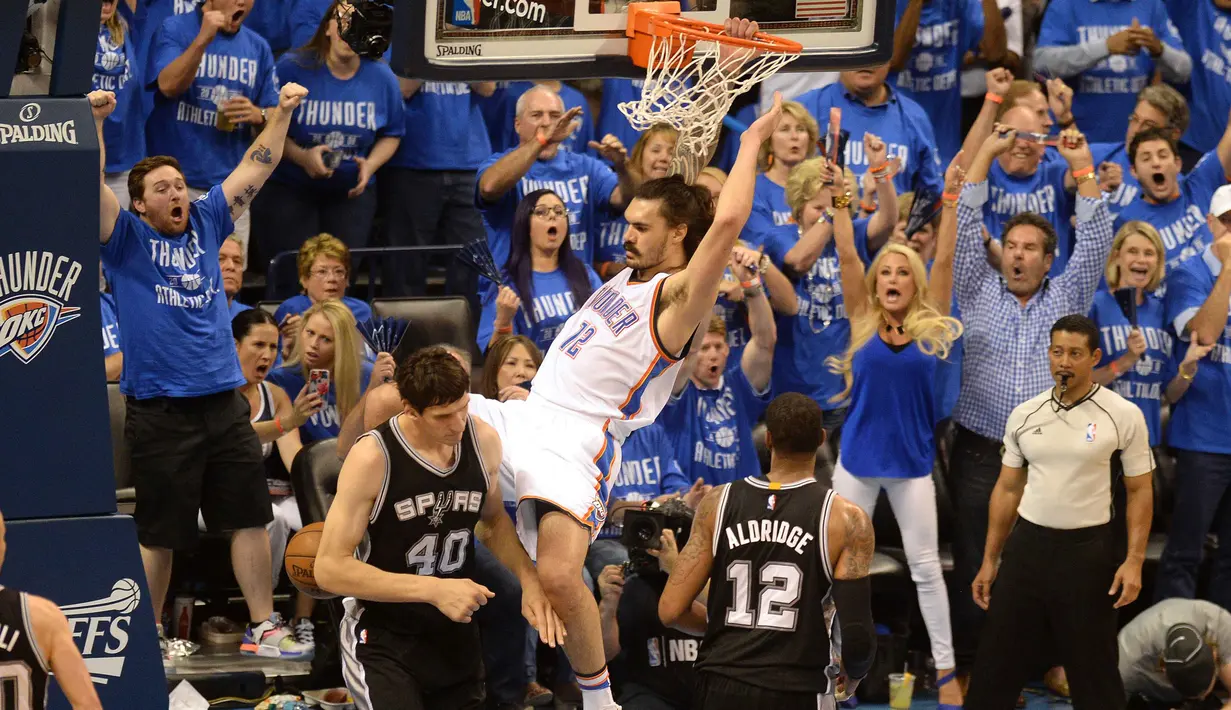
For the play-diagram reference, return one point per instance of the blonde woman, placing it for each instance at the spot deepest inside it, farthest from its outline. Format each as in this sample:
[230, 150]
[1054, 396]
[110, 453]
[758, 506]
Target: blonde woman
[792, 143]
[117, 69]
[650, 159]
[899, 331]
[328, 340]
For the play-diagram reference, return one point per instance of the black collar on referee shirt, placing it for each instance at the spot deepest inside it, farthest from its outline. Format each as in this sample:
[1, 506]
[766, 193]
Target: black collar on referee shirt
[1057, 405]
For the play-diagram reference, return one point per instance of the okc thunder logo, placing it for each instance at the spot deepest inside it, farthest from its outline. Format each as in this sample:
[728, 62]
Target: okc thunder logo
[28, 322]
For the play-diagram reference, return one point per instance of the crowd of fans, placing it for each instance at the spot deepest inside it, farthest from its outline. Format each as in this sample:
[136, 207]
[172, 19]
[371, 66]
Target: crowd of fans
[542, 170]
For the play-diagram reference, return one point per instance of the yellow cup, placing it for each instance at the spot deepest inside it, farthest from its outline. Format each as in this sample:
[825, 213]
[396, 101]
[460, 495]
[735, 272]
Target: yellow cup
[901, 689]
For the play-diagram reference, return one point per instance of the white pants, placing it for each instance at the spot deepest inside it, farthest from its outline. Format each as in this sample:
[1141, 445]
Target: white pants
[243, 225]
[914, 505]
[286, 522]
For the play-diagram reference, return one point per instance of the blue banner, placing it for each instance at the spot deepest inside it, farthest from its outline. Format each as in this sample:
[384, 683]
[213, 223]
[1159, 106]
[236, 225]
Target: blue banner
[91, 568]
[51, 361]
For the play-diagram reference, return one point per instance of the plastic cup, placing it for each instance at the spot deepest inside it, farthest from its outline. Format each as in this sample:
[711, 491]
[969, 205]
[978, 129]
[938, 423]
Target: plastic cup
[901, 690]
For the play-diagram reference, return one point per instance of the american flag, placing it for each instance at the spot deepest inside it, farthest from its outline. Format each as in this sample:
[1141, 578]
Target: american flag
[816, 9]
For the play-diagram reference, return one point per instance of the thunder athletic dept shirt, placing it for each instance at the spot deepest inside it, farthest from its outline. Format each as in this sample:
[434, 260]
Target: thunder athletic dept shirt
[1067, 453]
[771, 615]
[423, 523]
[23, 682]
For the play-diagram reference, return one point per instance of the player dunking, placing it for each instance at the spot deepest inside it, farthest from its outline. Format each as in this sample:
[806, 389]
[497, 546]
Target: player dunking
[410, 496]
[781, 555]
[35, 640]
[610, 372]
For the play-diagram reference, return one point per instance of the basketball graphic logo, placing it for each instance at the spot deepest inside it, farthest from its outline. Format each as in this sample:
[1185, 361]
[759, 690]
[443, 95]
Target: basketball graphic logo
[35, 287]
[27, 323]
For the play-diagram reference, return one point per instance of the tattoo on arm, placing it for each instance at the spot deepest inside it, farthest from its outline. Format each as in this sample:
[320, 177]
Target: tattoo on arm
[261, 154]
[245, 197]
[856, 557]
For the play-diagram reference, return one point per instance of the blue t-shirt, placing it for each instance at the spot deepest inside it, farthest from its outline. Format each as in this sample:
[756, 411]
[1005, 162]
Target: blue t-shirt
[348, 115]
[735, 317]
[500, 112]
[769, 208]
[948, 383]
[185, 126]
[235, 308]
[948, 29]
[168, 290]
[1145, 384]
[1129, 188]
[647, 470]
[820, 328]
[1206, 33]
[117, 68]
[610, 119]
[444, 129]
[1181, 222]
[891, 421]
[326, 423]
[1042, 193]
[1105, 94]
[1199, 419]
[270, 19]
[712, 429]
[111, 325]
[900, 122]
[584, 184]
[296, 305]
[305, 17]
[553, 303]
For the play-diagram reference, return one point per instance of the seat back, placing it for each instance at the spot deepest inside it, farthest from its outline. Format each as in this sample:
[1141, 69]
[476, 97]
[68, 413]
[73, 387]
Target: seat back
[120, 455]
[314, 478]
[270, 307]
[435, 320]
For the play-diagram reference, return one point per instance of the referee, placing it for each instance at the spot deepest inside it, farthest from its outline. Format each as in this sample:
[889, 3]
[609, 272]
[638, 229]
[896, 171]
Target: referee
[1056, 595]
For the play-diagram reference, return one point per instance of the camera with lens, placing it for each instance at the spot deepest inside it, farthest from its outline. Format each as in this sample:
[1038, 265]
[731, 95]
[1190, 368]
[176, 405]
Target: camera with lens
[367, 27]
[643, 531]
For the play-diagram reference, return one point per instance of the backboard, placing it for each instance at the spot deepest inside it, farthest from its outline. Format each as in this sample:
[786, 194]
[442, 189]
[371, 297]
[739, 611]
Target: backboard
[470, 40]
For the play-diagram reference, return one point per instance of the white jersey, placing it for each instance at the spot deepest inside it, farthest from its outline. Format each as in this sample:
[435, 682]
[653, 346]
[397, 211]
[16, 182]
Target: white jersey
[606, 366]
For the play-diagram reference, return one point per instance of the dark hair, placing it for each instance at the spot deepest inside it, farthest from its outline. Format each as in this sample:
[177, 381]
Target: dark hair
[1152, 134]
[145, 166]
[314, 52]
[681, 203]
[496, 355]
[431, 377]
[519, 268]
[245, 321]
[1031, 219]
[1080, 325]
[794, 424]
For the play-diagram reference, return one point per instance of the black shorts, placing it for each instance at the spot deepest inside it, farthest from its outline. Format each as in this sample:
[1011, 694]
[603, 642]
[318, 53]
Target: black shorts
[190, 454]
[388, 669]
[717, 692]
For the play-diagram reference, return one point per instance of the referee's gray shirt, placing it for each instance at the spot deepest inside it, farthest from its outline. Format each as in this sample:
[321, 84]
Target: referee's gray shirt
[1067, 455]
[1142, 640]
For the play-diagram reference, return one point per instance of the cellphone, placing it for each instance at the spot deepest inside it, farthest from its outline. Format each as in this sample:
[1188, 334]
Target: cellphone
[524, 385]
[1039, 138]
[332, 159]
[319, 380]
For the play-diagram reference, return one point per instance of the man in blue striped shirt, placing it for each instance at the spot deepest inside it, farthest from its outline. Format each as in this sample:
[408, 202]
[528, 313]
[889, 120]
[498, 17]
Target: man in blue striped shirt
[1008, 315]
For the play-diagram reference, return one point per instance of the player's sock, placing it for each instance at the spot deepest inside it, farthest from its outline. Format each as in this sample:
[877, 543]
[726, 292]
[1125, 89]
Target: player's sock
[595, 690]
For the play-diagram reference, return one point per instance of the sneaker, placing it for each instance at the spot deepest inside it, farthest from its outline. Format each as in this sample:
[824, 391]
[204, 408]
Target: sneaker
[273, 639]
[538, 695]
[304, 631]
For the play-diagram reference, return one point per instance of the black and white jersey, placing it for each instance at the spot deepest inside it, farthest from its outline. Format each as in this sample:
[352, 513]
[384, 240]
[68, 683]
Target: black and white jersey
[423, 521]
[770, 610]
[23, 670]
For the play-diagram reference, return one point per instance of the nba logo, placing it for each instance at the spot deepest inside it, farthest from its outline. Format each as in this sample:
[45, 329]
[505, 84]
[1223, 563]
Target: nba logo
[463, 13]
[363, 636]
[1091, 429]
[772, 502]
[655, 652]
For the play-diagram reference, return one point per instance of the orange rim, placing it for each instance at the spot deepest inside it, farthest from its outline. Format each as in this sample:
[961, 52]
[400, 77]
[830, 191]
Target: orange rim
[648, 20]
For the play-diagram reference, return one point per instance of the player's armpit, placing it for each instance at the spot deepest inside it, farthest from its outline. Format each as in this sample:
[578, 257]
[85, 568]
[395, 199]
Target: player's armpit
[851, 528]
[490, 448]
[692, 566]
[55, 639]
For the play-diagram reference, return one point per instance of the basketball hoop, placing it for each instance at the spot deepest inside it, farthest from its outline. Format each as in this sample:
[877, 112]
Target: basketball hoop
[690, 82]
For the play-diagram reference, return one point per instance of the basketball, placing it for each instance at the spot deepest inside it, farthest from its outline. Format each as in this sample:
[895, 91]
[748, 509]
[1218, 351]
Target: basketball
[301, 559]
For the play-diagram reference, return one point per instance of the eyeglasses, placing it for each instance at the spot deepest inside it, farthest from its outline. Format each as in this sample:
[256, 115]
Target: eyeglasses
[326, 273]
[1145, 123]
[545, 212]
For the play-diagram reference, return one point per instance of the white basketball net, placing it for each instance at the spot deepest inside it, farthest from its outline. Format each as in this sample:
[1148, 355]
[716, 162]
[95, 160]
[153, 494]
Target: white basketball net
[694, 95]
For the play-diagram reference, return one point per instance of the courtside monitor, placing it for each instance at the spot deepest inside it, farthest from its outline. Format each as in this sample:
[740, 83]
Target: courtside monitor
[458, 40]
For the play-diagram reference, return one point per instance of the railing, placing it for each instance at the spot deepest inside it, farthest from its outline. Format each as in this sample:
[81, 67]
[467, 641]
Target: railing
[374, 260]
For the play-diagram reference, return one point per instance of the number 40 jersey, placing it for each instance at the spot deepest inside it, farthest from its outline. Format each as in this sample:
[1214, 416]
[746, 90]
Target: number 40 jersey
[770, 611]
[607, 365]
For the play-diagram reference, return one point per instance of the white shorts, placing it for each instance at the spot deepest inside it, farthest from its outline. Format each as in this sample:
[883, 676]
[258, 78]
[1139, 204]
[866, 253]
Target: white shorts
[564, 461]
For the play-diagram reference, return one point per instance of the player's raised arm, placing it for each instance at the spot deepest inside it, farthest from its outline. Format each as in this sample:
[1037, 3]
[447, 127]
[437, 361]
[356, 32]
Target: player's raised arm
[264, 154]
[850, 530]
[55, 639]
[691, 293]
[678, 607]
[338, 571]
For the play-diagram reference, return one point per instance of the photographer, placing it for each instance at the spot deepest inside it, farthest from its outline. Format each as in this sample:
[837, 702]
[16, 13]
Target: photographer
[655, 671]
